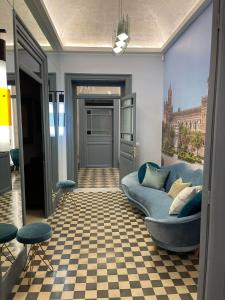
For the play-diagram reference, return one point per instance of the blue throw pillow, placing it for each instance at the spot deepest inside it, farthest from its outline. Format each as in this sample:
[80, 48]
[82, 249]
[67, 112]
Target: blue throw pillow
[155, 177]
[191, 207]
[142, 170]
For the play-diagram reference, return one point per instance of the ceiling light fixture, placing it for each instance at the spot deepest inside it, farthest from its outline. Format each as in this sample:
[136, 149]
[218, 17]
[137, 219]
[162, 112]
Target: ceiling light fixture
[121, 36]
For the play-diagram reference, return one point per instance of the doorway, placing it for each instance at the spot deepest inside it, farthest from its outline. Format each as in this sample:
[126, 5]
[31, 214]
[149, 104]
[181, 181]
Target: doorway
[98, 136]
[32, 131]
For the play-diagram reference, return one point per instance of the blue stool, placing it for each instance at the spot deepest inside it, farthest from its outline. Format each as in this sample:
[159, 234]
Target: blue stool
[35, 235]
[66, 187]
[7, 234]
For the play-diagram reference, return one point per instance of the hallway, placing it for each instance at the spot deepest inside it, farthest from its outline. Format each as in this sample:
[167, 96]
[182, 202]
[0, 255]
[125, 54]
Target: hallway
[98, 178]
[101, 249]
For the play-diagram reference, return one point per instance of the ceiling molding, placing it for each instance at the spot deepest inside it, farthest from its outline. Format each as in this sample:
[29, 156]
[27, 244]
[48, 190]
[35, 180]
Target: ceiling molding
[109, 50]
[43, 19]
[190, 18]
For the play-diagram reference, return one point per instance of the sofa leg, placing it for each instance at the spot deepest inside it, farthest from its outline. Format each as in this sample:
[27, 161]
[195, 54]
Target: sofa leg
[196, 252]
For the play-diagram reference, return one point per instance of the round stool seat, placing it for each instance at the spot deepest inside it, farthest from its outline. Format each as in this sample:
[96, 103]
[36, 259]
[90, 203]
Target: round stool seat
[7, 232]
[66, 184]
[34, 233]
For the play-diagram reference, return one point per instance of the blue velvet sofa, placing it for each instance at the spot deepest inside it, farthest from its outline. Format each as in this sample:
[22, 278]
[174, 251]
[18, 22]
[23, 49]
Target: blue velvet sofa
[168, 232]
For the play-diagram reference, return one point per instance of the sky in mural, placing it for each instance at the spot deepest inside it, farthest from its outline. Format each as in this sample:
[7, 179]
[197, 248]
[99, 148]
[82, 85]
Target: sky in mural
[187, 64]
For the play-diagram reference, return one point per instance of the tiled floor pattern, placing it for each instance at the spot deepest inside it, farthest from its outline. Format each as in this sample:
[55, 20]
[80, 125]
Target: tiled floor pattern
[101, 249]
[11, 212]
[98, 177]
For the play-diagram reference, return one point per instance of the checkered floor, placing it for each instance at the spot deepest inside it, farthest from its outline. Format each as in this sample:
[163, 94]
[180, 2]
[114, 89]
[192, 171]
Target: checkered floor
[101, 249]
[11, 212]
[98, 177]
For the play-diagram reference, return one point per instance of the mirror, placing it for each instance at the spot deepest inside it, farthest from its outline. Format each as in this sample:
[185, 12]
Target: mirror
[10, 176]
[53, 120]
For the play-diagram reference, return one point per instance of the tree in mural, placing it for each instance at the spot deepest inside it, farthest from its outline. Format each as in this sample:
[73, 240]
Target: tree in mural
[197, 141]
[168, 139]
[184, 138]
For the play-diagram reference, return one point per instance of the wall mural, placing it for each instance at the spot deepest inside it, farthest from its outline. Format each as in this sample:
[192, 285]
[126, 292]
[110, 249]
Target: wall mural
[183, 135]
[185, 94]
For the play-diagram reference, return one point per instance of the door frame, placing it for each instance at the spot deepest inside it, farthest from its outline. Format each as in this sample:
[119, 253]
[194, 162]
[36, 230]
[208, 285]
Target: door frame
[72, 79]
[212, 267]
[115, 120]
[23, 36]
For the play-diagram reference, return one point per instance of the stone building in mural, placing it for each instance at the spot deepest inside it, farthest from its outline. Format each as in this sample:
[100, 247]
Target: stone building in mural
[184, 130]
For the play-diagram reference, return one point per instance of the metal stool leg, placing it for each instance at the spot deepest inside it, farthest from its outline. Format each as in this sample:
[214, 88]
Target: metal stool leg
[10, 258]
[34, 250]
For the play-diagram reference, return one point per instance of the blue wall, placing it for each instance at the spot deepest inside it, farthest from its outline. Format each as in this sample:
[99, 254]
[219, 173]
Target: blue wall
[187, 63]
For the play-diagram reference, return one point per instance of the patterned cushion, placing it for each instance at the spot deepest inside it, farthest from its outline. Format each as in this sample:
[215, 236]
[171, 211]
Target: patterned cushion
[182, 198]
[177, 187]
[142, 170]
[155, 178]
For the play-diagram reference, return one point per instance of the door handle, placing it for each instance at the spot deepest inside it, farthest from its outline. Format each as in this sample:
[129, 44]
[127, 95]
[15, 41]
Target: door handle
[134, 152]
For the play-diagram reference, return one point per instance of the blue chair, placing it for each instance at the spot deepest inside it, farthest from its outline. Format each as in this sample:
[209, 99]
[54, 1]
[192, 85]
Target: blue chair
[66, 187]
[35, 235]
[7, 234]
[14, 153]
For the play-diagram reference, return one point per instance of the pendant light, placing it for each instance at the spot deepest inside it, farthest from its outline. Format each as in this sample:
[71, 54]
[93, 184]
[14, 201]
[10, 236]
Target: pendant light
[121, 39]
[5, 103]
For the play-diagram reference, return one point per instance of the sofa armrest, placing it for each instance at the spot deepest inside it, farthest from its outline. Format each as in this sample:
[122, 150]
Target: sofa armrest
[175, 220]
[176, 234]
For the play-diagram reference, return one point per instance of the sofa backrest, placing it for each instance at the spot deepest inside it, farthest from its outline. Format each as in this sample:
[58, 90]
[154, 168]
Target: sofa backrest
[188, 172]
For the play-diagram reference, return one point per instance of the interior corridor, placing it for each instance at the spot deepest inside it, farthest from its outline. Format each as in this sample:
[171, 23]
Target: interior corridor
[98, 178]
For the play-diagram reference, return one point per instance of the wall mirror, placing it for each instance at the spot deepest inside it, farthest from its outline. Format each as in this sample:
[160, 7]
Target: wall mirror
[11, 211]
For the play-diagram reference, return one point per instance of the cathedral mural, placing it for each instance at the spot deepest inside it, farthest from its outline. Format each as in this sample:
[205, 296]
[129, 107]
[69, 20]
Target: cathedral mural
[183, 135]
[186, 73]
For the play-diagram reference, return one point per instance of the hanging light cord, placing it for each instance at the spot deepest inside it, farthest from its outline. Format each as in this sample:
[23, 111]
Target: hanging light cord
[120, 9]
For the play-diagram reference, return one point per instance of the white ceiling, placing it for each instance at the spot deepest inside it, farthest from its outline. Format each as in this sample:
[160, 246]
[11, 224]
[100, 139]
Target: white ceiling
[91, 23]
[87, 25]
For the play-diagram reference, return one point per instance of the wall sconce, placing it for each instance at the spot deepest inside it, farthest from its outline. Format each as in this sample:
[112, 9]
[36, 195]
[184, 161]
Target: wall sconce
[5, 103]
[51, 117]
[61, 119]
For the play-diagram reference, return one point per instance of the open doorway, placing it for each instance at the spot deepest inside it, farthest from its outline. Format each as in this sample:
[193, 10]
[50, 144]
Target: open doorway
[32, 131]
[98, 135]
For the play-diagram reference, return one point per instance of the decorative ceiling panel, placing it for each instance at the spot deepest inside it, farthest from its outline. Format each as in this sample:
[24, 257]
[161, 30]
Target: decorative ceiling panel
[91, 23]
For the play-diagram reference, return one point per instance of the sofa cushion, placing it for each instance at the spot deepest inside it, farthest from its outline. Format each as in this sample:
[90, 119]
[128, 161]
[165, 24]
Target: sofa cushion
[188, 173]
[156, 202]
[154, 177]
[177, 187]
[142, 170]
[181, 199]
[192, 207]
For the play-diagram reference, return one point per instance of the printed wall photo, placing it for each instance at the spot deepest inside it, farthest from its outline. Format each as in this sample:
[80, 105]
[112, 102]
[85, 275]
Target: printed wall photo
[185, 103]
[183, 131]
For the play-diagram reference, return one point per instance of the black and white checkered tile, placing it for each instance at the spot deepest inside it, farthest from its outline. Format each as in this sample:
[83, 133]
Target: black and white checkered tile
[101, 249]
[11, 212]
[98, 177]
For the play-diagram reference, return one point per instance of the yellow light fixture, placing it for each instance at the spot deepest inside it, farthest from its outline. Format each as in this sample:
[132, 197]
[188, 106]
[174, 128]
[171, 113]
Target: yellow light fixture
[5, 107]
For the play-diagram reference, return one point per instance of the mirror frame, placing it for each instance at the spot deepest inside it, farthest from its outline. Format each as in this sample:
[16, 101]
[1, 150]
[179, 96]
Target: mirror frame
[23, 37]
